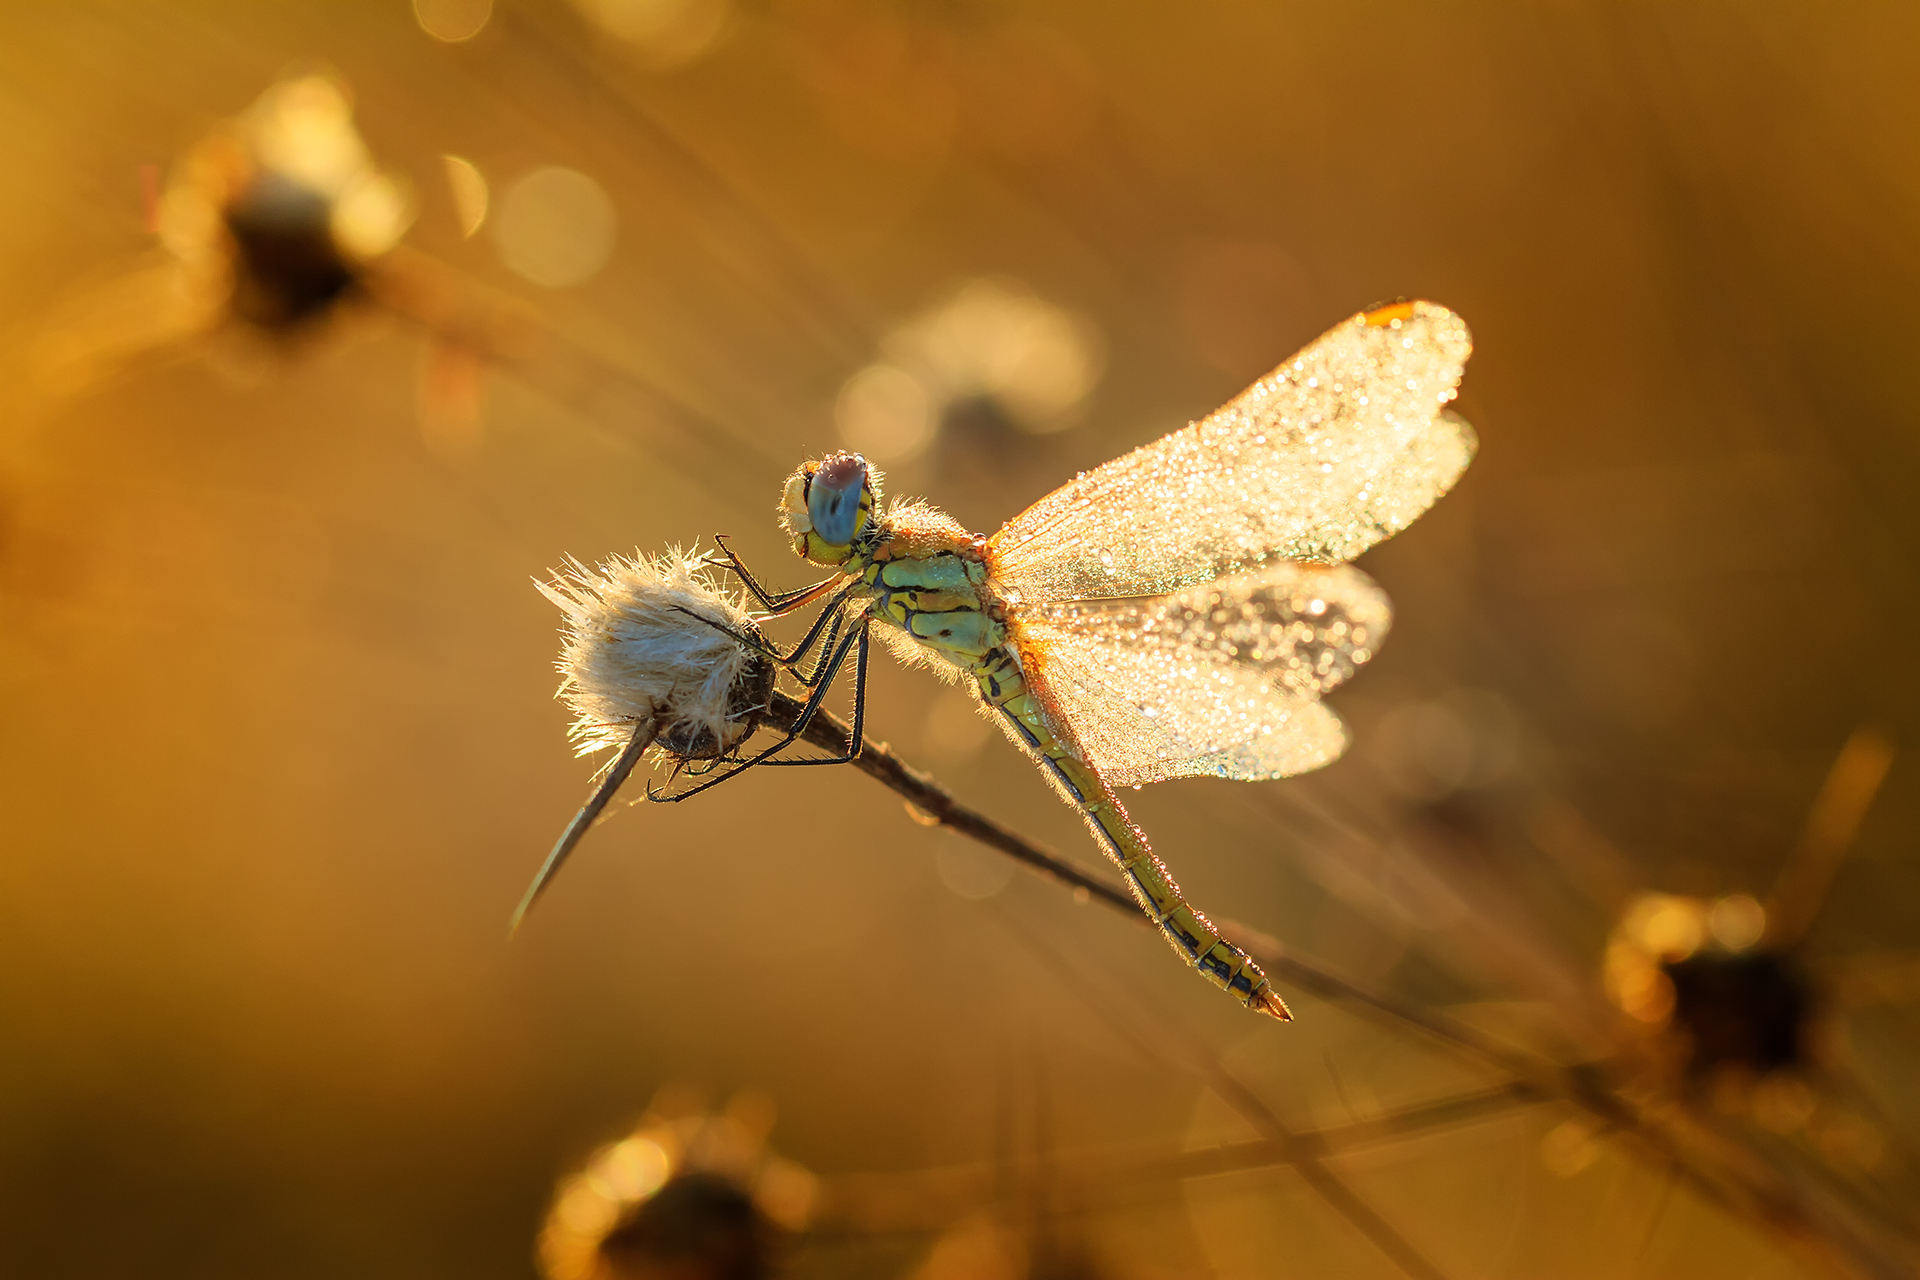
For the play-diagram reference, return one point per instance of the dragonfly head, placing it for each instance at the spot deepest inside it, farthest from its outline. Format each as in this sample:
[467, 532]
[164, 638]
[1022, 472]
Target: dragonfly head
[829, 505]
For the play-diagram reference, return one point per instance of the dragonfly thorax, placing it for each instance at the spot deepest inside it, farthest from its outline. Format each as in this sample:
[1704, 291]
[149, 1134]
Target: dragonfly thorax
[935, 600]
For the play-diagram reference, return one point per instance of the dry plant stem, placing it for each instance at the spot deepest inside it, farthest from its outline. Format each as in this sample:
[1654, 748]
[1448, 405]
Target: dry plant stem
[776, 267]
[610, 782]
[870, 1203]
[877, 760]
[1832, 824]
[1187, 1053]
[830, 733]
[1726, 1175]
[504, 332]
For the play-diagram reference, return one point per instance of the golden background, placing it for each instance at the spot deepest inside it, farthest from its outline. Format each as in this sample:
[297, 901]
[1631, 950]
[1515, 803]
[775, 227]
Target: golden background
[279, 751]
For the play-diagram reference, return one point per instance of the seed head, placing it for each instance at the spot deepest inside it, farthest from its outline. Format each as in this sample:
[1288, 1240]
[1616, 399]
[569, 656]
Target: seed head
[655, 659]
[277, 215]
[649, 640]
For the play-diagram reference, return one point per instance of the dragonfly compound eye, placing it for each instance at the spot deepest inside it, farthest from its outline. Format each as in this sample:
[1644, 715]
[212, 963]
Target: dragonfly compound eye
[834, 499]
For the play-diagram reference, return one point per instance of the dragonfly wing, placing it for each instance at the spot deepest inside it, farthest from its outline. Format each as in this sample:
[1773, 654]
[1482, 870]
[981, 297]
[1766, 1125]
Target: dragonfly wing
[1222, 680]
[1341, 446]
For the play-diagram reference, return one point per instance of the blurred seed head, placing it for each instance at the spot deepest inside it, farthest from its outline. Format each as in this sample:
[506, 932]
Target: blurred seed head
[644, 643]
[689, 1194]
[277, 215]
[991, 340]
[1691, 971]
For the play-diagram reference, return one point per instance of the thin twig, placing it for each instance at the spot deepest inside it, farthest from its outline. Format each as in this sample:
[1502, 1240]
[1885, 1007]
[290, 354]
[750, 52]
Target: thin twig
[1186, 1052]
[830, 733]
[921, 1200]
[1731, 1177]
[603, 791]
[506, 332]
[929, 798]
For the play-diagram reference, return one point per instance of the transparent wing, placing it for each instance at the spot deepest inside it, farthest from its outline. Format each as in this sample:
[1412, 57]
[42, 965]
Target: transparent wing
[1222, 680]
[1340, 447]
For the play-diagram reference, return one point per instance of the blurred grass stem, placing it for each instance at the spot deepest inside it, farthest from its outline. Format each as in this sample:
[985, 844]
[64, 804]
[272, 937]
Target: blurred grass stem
[1724, 1173]
[1832, 825]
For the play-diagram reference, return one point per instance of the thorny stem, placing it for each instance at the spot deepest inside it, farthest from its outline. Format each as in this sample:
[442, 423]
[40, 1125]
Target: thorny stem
[1723, 1174]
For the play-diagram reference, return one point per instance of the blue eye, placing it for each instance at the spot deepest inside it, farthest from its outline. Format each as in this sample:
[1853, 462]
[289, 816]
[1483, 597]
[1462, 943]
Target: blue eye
[833, 499]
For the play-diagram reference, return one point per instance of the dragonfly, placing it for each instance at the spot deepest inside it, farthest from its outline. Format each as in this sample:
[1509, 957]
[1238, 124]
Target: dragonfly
[1180, 611]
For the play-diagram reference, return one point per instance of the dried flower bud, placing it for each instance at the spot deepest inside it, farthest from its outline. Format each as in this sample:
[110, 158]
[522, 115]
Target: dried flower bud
[694, 1194]
[648, 643]
[276, 216]
[655, 658]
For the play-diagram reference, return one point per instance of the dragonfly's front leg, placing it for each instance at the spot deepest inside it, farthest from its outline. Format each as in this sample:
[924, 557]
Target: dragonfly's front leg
[774, 604]
[831, 614]
[812, 679]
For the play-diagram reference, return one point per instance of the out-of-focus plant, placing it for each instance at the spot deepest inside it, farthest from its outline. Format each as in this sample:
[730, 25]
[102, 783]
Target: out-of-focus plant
[272, 226]
[278, 231]
[992, 343]
[689, 1194]
[1708, 1038]
[1728, 1007]
[277, 217]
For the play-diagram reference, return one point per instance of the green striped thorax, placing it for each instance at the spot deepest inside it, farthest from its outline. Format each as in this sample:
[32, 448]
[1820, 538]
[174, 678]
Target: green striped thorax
[830, 507]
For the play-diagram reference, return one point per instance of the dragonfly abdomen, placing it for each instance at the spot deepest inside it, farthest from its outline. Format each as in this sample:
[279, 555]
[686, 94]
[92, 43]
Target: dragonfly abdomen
[1004, 687]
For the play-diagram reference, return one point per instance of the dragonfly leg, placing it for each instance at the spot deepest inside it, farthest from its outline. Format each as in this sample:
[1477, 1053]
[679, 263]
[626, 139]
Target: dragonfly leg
[775, 603]
[857, 736]
[832, 667]
[834, 608]
[808, 681]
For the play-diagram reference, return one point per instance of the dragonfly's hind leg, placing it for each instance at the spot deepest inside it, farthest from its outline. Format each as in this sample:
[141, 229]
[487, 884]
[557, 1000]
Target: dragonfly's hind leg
[825, 674]
[857, 735]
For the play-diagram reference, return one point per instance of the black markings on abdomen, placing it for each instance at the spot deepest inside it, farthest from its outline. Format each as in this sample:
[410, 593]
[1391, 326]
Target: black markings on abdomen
[1020, 727]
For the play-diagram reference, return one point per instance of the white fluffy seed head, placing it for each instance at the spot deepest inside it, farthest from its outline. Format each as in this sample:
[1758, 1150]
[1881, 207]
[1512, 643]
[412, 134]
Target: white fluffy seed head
[633, 655]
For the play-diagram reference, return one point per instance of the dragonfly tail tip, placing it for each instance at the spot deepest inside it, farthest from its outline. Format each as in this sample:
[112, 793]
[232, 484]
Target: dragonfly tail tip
[1269, 1003]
